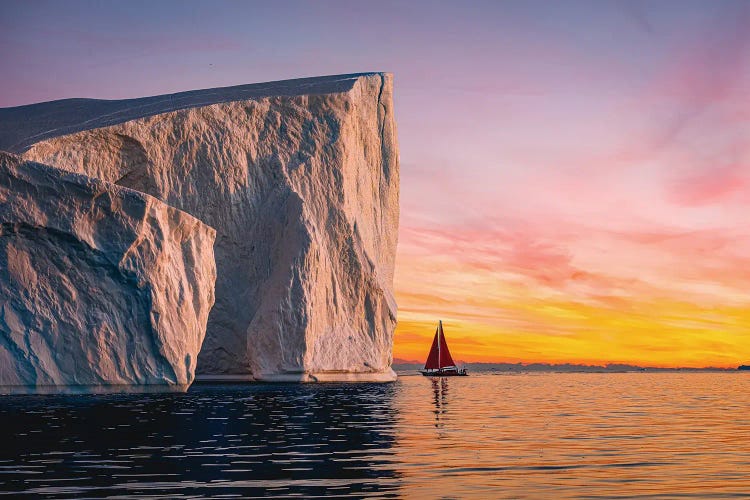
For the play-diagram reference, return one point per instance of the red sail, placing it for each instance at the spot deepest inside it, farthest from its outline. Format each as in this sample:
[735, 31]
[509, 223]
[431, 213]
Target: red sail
[432, 358]
[439, 357]
[445, 354]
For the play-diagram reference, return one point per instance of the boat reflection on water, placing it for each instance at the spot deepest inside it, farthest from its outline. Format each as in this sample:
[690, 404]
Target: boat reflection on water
[440, 391]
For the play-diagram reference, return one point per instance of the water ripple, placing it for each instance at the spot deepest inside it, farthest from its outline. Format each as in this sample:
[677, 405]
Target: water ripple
[532, 436]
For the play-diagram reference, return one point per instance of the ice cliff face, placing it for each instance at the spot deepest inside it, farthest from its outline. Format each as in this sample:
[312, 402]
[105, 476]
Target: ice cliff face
[301, 181]
[99, 284]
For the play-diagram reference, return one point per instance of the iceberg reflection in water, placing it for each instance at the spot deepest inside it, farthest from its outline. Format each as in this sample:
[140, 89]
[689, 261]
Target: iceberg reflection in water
[487, 436]
[214, 440]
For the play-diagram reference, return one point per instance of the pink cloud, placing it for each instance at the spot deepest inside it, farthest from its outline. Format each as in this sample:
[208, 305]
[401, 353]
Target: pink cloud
[709, 186]
[530, 256]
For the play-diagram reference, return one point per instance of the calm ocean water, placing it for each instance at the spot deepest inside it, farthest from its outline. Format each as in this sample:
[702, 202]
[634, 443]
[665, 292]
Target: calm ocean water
[487, 436]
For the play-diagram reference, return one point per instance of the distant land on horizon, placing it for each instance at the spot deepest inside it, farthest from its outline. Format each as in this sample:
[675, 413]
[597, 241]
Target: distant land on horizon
[407, 365]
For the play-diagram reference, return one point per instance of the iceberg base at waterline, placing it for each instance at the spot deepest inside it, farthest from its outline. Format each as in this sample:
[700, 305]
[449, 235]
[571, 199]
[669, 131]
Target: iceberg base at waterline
[316, 377]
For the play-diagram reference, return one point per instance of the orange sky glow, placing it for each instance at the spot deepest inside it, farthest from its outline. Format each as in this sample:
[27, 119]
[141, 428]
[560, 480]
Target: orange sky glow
[649, 299]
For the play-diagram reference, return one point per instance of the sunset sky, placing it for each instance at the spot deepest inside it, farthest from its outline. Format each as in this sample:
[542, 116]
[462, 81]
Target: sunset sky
[575, 175]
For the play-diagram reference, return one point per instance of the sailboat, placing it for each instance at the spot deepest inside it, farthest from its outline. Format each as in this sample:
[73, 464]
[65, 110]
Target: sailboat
[439, 362]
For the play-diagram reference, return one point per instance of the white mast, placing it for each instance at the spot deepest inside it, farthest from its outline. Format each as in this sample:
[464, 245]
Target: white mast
[440, 331]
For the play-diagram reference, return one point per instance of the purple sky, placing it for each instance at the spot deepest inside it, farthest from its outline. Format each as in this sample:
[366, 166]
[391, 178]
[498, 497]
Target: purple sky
[570, 155]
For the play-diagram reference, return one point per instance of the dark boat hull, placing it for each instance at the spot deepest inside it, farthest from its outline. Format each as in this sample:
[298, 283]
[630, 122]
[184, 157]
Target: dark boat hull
[445, 373]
